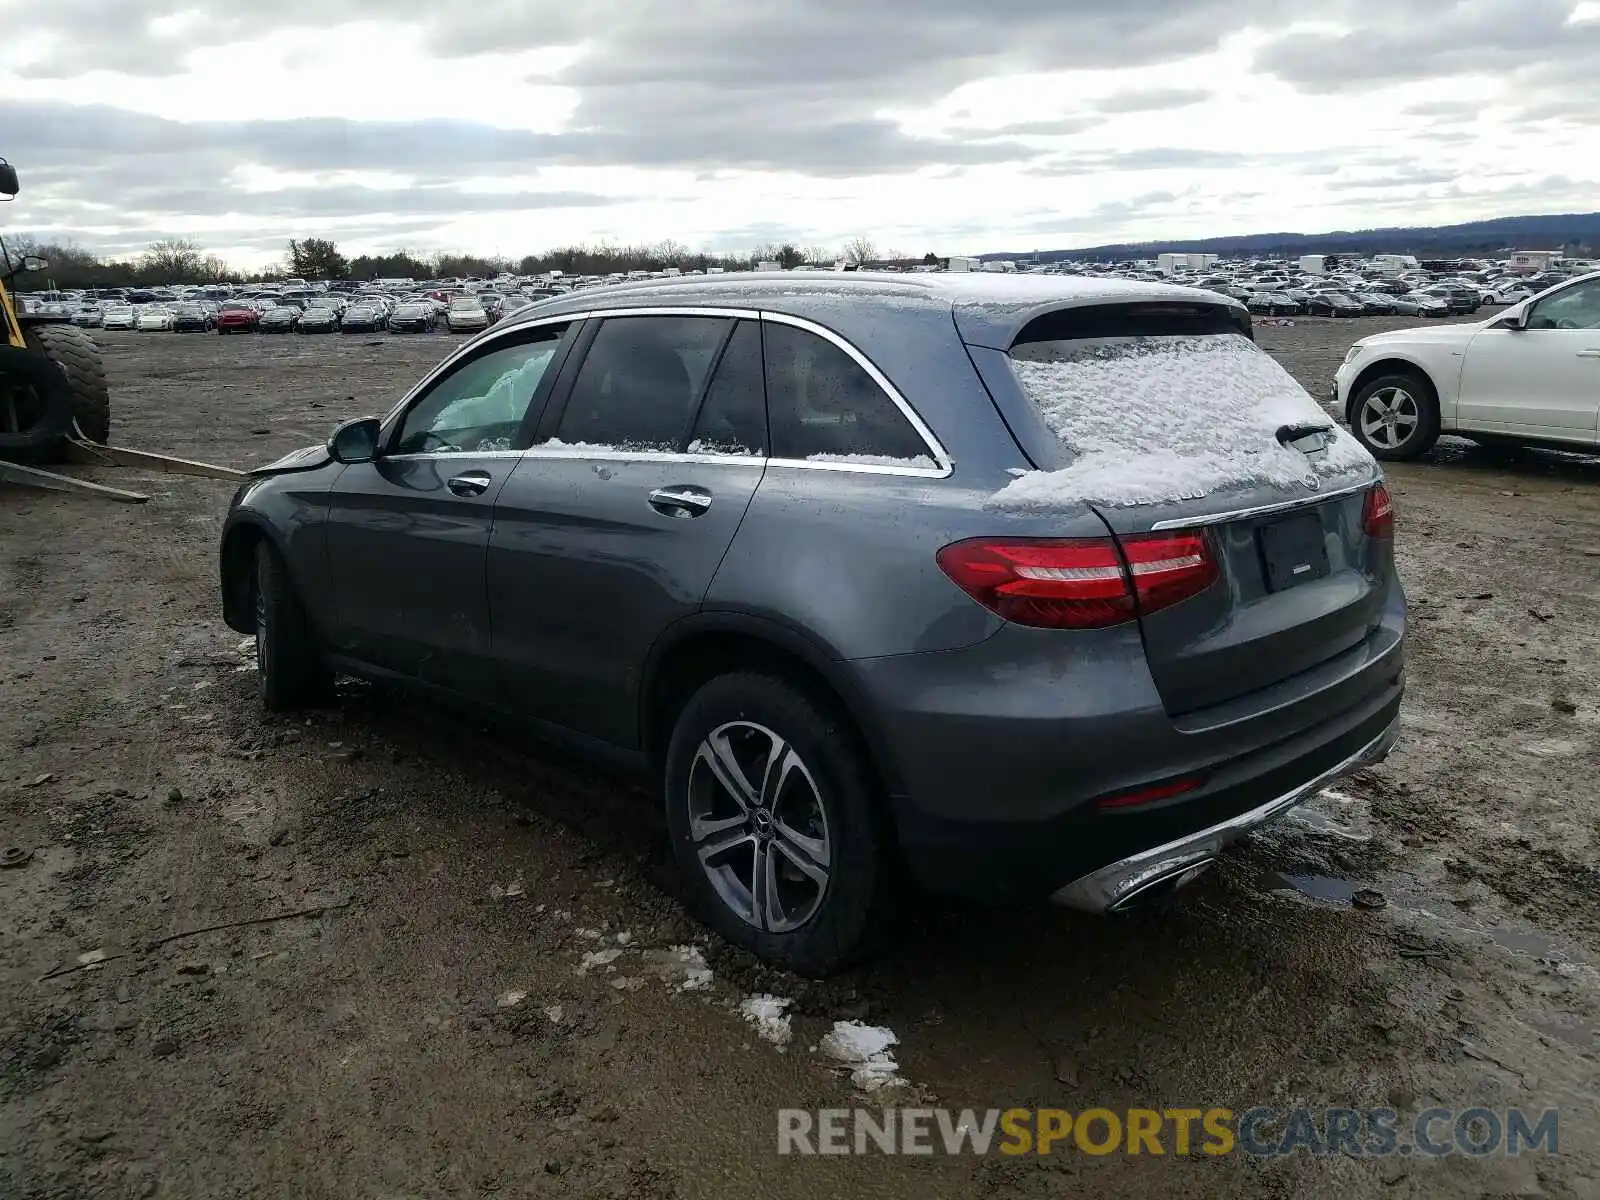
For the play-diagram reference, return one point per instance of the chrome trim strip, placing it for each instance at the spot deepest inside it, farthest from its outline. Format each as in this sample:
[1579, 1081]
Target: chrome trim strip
[1104, 890]
[1238, 514]
[645, 456]
[935, 449]
[822, 464]
[452, 455]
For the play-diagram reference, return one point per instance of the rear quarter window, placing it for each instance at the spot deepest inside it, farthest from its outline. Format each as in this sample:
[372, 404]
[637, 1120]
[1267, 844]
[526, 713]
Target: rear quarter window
[824, 407]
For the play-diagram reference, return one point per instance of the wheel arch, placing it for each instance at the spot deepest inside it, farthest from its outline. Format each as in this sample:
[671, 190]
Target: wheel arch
[701, 647]
[240, 539]
[1389, 364]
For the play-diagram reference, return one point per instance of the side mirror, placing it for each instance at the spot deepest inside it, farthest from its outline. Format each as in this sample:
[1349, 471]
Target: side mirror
[1517, 321]
[33, 262]
[355, 441]
[8, 179]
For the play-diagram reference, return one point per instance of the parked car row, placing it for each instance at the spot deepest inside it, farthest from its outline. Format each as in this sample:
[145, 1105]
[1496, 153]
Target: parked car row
[328, 313]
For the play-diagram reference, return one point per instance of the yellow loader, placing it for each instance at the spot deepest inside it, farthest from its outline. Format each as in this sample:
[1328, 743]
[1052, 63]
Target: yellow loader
[54, 404]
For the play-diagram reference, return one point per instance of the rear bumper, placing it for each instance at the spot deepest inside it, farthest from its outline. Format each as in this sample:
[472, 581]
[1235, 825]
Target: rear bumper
[1124, 882]
[1000, 753]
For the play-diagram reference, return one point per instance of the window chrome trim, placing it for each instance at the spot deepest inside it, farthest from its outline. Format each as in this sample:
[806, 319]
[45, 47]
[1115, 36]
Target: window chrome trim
[935, 448]
[942, 469]
[1262, 510]
[570, 454]
[448, 455]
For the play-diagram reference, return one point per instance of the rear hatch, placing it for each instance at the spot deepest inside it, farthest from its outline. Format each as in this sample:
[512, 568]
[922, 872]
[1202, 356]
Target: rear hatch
[1175, 421]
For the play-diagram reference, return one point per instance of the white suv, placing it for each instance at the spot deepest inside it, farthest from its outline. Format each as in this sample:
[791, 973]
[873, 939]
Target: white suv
[1528, 375]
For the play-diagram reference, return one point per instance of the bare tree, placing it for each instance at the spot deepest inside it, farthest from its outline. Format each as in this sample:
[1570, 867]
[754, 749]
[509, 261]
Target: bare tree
[176, 259]
[860, 250]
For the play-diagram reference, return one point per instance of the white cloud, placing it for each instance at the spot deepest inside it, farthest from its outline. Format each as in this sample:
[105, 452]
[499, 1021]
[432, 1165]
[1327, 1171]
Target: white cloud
[492, 131]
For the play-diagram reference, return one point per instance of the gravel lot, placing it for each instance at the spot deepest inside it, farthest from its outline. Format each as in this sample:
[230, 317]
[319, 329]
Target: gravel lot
[373, 1046]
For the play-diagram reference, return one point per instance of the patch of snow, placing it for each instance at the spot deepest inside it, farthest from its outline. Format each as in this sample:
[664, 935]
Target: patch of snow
[508, 891]
[727, 450]
[921, 461]
[766, 1013]
[623, 937]
[553, 1013]
[598, 958]
[509, 999]
[1155, 420]
[865, 1050]
[683, 968]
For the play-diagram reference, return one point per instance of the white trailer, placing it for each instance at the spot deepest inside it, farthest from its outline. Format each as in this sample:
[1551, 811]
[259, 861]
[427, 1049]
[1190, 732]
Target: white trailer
[1314, 264]
[1531, 262]
[1171, 262]
[965, 264]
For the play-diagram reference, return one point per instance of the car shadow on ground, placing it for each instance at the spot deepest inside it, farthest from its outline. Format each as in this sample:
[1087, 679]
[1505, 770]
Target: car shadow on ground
[1574, 466]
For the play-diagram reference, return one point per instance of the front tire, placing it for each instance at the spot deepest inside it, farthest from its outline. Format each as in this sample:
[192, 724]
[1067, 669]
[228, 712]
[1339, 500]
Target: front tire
[289, 666]
[1396, 417]
[75, 352]
[776, 821]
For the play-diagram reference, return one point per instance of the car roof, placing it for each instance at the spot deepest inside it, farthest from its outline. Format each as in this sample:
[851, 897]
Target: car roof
[989, 308]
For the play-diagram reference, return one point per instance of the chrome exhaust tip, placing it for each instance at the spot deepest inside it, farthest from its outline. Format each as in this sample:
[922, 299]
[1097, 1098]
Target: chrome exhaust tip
[1151, 891]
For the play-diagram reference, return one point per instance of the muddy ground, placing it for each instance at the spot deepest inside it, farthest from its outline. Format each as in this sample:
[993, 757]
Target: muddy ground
[374, 1045]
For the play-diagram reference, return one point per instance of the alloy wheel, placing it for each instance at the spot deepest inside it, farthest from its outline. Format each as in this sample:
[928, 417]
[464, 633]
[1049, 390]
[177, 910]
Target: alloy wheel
[758, 826]
[1389, 417]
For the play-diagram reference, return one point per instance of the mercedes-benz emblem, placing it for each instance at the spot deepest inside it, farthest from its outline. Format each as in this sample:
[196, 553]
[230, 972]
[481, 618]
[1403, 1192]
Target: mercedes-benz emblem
[1313, 482]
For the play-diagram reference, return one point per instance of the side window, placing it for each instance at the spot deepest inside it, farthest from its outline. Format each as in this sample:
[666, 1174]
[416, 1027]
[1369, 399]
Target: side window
[824, 407]
[481, 404]
[733, 419]
[1577, 307]
[640, 382]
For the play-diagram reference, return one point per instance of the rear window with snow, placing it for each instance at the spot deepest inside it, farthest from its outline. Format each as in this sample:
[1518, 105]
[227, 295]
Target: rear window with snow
[1161, 417]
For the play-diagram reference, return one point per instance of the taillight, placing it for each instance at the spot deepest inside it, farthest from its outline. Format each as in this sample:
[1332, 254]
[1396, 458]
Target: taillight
[1377, 517]
[1080, 583]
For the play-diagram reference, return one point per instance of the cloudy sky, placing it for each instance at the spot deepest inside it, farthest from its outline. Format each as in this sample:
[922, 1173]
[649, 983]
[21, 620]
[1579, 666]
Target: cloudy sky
[509, 126]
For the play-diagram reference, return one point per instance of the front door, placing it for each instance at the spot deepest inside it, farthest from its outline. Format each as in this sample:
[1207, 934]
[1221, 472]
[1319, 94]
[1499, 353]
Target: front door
[614, 523]
[1542, 380]
[409, 532]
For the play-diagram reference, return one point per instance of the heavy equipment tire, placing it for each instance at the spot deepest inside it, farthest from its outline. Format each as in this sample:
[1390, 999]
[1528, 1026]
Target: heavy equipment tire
[45, 412]
[75, 352]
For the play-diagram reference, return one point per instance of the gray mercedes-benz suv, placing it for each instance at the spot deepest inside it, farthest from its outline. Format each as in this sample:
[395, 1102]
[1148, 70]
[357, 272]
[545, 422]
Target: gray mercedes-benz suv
[1035, 587]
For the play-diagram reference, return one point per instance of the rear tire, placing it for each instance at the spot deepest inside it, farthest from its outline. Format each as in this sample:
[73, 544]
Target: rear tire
[1396, 416]
[777, 823]
[75, 352]
[289, 664]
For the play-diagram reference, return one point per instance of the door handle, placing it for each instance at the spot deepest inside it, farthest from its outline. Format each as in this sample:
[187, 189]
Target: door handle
[469, 483]
[1592, 352]
[684, 500]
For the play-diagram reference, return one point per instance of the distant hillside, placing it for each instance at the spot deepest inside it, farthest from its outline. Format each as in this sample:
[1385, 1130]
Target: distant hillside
[1577, 233]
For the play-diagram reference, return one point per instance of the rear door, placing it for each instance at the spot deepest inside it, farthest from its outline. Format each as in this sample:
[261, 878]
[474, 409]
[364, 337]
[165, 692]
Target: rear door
[1175, 424]
[1542, 380]
[613, 525]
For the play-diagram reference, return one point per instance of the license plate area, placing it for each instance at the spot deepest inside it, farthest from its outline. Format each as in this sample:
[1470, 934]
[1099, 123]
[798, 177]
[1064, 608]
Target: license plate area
[1293, 551]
